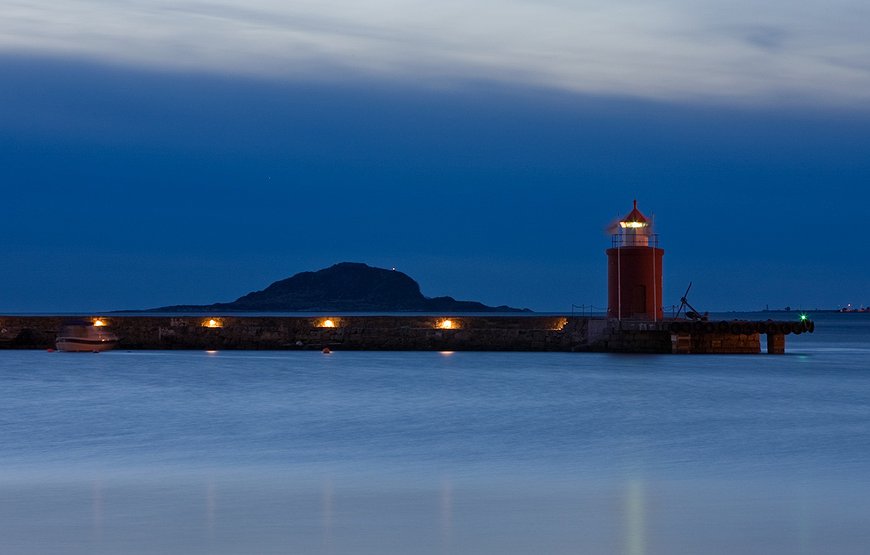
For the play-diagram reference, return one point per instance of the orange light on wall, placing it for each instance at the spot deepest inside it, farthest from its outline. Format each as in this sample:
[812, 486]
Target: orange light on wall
[447, 324]
[328, 323]
[212, 323]
[99, 322]
[560, 325]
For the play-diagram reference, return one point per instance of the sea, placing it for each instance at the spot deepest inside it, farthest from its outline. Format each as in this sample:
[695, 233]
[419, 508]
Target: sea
[245, 452]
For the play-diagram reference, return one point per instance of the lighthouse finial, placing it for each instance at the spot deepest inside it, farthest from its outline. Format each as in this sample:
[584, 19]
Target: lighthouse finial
[635, 203]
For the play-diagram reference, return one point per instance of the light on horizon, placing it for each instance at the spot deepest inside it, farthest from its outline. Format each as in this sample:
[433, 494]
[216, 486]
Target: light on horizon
[99, 322]
[212, 323]
[446, 324]
[328, 323]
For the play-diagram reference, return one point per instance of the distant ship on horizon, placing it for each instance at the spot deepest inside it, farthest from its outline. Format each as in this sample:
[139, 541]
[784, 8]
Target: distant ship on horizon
[850, 308]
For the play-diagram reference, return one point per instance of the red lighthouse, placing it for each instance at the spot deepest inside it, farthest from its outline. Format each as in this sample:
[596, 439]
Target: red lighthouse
[634, 270]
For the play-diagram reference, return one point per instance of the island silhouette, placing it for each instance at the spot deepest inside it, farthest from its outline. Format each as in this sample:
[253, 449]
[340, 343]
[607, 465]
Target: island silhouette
[343, 287]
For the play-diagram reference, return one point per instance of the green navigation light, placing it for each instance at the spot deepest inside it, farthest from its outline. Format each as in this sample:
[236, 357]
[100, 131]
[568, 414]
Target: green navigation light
[803, 317]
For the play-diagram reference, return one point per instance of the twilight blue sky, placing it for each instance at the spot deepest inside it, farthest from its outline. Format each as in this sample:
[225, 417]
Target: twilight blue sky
[160, 153]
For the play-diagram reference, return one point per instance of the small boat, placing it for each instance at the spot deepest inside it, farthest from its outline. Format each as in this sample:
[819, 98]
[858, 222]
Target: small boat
[84, 336]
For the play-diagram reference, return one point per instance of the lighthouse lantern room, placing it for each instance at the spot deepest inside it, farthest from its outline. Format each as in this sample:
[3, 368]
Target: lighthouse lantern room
[634, 270]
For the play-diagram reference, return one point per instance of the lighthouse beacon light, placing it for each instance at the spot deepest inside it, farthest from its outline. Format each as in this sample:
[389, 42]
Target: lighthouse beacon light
[634, 229]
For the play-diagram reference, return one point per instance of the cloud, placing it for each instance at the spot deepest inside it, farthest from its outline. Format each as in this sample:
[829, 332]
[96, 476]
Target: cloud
[718, 51]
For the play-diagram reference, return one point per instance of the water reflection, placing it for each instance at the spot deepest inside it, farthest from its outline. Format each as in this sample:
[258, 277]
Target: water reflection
[327, 515]
[210, 507]
[803, 518]
[97, 507]
[446, 498]
[279, 513]
[635, 517]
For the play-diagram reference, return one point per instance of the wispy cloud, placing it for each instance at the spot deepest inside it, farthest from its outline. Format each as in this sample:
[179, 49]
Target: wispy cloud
[717, 50]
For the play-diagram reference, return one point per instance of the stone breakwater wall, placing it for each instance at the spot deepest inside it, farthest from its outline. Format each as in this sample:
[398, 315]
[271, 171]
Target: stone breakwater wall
[480, 333]
[417, 333]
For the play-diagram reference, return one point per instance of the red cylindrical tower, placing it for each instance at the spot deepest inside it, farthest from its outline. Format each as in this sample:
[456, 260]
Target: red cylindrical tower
[634, 270]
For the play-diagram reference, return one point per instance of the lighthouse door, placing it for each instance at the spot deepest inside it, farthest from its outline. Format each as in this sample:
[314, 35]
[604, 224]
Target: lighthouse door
[638, 300]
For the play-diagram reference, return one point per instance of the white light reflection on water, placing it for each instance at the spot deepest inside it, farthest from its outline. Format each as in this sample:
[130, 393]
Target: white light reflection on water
[446, 505]
[635, 518]
[97, 502]
[327, 515]
[210, 507]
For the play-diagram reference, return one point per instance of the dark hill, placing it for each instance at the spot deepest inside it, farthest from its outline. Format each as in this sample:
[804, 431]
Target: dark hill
[345, 287]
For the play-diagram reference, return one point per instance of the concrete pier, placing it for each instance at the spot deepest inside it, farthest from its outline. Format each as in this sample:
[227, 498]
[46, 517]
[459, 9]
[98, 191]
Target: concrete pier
[420, 333]
[775, 344]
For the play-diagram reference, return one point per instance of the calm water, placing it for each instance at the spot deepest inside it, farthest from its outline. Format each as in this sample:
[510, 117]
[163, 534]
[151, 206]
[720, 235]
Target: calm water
[274, 452]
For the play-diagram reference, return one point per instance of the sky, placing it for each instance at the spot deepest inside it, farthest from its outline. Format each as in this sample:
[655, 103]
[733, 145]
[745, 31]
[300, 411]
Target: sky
[156, 153]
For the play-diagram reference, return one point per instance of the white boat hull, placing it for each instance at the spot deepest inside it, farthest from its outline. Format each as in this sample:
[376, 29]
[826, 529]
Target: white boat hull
[84, 337]
[82, 345]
